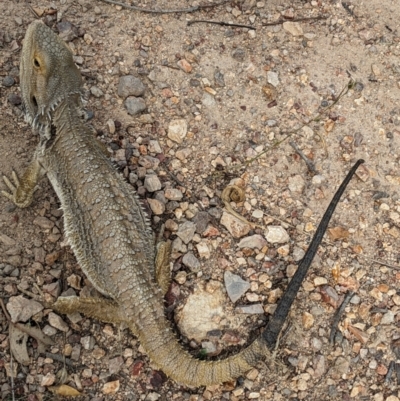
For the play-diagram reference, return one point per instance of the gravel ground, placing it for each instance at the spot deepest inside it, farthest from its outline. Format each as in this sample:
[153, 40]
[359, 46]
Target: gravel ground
[182, 110]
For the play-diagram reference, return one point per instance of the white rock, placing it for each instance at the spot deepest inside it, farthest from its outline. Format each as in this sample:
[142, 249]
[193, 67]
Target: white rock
[296, 184]
[277, 235]
[203, 250]
[293, 28]
[177, 130]
[273, 78]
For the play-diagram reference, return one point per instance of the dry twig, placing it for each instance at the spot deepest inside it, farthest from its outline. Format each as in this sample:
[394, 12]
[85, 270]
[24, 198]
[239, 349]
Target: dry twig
[309, 163]
[171, 11]
[317, 118]
[339, 314]
[281, 21]
[220, 23]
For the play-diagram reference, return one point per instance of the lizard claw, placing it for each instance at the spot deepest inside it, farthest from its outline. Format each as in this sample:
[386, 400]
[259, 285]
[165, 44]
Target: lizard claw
[20, 195]
[12, 187]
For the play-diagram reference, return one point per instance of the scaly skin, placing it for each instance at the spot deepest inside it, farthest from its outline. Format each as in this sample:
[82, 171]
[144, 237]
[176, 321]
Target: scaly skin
[104, 222]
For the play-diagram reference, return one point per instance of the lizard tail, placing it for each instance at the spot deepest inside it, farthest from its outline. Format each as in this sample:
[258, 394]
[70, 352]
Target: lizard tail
[163, 348]
[178, 364]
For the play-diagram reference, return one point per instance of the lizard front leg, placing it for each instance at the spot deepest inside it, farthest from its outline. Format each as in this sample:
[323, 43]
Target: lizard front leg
[22, 189]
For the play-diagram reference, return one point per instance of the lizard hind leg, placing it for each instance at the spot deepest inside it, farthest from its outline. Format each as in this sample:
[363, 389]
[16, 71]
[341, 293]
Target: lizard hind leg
[102, 309]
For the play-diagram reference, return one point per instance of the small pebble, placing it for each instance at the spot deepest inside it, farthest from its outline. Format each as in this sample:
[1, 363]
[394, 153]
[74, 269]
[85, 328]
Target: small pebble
[8, 81]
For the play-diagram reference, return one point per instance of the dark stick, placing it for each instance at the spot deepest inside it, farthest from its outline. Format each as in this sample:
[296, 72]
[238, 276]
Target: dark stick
[274, 326]
[220, 23]
[59, 358]
[397, 370]
[389, 372]
[179, 10]
[338, 316]
[309, 163]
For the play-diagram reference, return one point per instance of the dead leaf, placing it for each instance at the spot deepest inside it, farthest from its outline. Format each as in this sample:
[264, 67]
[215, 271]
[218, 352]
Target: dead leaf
[35, 332]
[66, 391]
[336, 271]
[269, 91]
[18, 339]
[336, 233]
[360, 335]
[329, 125]
[111, 387]
[11, 369]
[39, 11]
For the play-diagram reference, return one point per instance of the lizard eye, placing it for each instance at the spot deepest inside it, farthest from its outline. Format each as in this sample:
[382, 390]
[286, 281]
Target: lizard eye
[36, 62]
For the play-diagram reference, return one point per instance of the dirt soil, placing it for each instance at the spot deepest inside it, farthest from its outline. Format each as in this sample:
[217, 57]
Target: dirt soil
[328, 86]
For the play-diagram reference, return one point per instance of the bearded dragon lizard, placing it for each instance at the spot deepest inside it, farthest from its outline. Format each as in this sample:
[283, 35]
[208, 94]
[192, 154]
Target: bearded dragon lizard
[105, 224]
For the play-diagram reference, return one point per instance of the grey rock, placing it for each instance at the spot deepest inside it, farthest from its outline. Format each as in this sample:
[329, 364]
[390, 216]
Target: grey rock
[49, 331]
[88, 342]
[186, 231]
[130, 86]
[14, 99]
[215, 212]
[319, 366]
[76, 352]
[6, 240]
[171, 206]
[152, 396]
[254, 309]
[219, 78]
[67, 31]
[149, 162]
[235, 286]
[298, 254]
[57, 322]
[252, 242]
[208, 100]
[201, 220]
[115, 364]
[209, 347]
[296, 184]
[178, 245]
[133, 178]
[154, 146]
[43, 222]
[161, 197]
[191, 262]
[341, 367]
[21, 309]
[388, 318]
[152, 183]
[8, 81]
[96, 91]
[173, 194]
[239, 54]
[135, 105]
[194, 82]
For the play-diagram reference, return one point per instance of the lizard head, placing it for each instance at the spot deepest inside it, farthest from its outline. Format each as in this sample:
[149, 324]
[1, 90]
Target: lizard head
[48, 74]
